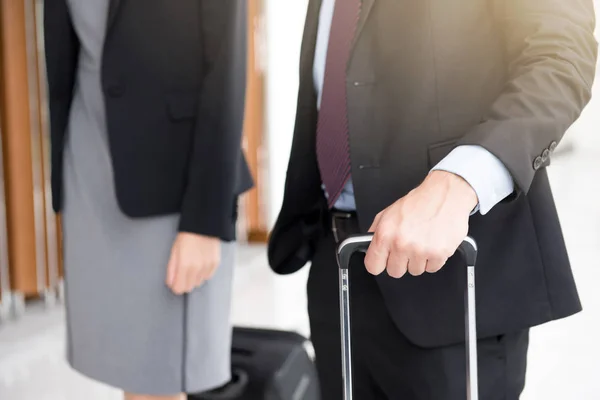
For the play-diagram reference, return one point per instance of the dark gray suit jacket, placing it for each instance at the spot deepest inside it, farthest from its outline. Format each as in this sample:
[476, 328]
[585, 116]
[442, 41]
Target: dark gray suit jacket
[424, 77]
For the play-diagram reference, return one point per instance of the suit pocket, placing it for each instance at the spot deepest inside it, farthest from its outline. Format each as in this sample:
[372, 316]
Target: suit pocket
[437, 151]
[182, 106]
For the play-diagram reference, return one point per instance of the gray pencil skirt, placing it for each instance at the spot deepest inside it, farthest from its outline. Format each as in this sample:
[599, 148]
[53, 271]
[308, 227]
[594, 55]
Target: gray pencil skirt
[126, 329]
[125, 326]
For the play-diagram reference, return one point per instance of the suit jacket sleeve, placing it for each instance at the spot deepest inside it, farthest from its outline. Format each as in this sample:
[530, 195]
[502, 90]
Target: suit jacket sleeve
[209, 200]
[551, 57]
[61, 47]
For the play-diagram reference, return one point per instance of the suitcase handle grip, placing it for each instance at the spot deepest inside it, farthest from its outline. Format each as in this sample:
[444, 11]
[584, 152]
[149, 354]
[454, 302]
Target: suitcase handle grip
[361, 242]
[355, 243]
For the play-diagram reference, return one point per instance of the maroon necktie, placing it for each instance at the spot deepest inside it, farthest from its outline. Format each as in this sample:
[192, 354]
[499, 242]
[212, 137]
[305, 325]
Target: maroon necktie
[333, 147]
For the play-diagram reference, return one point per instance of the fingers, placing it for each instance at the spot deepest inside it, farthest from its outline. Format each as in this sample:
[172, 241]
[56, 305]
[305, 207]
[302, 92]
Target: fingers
[205, 273]
[190, 276]
[172, 269]
[397, 264]
[399, 251]
[376, 259]
[178, 285]
[212, 268]
[434, 264]
[195, 278]
[417, 254]
[194, 259]
[198, 279]
[416, 259]
[416, 265]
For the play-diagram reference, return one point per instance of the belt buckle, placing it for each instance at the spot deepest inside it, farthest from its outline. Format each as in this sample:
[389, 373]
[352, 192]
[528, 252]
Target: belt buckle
[335, 215]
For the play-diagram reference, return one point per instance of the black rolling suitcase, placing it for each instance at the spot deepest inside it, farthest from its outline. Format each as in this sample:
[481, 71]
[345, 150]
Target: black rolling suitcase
[268, 365]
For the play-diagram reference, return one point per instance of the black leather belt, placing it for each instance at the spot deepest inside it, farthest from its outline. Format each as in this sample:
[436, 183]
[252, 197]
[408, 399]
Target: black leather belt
[343, 224]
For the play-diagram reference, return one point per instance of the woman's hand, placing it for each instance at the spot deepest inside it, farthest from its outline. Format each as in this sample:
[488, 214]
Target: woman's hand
[194, 259]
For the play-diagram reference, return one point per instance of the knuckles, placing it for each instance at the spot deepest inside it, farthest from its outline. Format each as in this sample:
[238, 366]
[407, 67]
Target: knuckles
[421, 248]
[382, 237]
[400, 235]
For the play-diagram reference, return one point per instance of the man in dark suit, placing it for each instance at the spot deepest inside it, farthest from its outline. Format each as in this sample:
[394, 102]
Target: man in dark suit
[423, 121]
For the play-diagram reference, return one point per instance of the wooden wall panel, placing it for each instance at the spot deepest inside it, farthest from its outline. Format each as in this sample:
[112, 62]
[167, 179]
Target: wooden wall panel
[23, 148]
[5, 295]
[53, 247]
[255, 216]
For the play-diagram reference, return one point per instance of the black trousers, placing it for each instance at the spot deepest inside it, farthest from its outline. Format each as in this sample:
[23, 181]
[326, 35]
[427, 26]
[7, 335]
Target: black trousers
[385, 364]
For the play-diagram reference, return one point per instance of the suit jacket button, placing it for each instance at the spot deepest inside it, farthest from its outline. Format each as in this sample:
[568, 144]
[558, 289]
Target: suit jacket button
[537, 163]
[545, 155]
[552, 146]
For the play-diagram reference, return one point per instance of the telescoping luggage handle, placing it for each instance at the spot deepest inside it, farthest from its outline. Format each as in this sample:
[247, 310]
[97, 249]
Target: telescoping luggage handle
[360, 243]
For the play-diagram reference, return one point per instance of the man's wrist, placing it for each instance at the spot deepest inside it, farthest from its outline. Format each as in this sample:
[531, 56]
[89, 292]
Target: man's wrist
[458, 190]
[486, 174]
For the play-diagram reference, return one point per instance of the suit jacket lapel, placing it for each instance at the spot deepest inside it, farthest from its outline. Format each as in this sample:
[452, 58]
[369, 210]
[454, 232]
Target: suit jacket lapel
[366, 7]
[309, 40]
[112, 12]
[307, 55]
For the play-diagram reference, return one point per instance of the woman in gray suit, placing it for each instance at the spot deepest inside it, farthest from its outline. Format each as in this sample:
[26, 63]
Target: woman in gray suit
[146, 106]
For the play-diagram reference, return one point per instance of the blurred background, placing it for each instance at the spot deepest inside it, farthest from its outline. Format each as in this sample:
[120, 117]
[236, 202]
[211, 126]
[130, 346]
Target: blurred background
[565, 356]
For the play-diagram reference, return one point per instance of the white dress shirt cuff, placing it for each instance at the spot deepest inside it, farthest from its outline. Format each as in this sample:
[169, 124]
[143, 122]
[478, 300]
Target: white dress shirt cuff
[486, 174]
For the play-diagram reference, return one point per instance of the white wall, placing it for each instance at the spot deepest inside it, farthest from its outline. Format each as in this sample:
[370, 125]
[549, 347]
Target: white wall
[284, 26]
